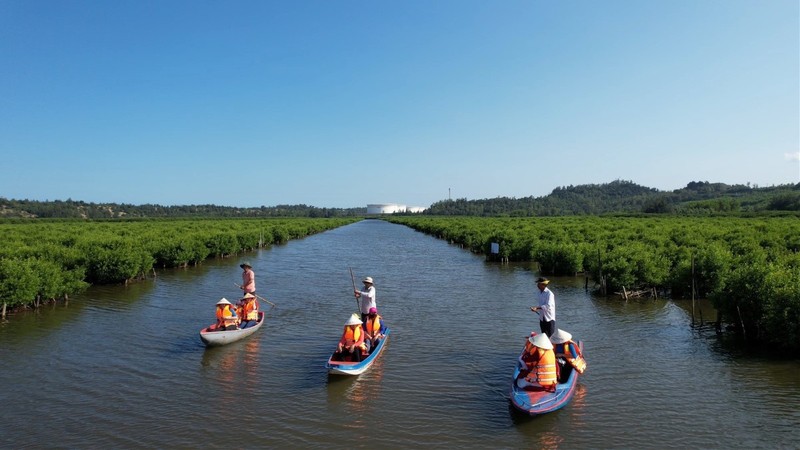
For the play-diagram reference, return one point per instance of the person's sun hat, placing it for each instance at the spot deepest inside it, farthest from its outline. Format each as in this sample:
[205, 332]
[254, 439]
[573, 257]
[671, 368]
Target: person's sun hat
[367, 280]
[246, 264]
[373, 310]
[353, 320]
[223, 301]
[560, 336]
[542, 280]
[541, 341]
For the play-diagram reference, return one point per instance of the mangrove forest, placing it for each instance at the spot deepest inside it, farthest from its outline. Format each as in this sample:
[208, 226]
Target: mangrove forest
[749, 267]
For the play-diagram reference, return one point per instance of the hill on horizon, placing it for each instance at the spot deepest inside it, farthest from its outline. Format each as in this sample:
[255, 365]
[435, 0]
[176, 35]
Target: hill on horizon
[627, 197]
[616, 197]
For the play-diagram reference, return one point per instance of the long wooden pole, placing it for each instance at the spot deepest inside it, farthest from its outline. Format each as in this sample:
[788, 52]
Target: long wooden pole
[353, 279]
[257, 296]
[262, 298]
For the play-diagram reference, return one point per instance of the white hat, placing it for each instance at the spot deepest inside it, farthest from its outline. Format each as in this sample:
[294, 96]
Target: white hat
[368, 280]
[249, 295]
[353, 320]
[224, 301]
[541, 341]
[560, 336]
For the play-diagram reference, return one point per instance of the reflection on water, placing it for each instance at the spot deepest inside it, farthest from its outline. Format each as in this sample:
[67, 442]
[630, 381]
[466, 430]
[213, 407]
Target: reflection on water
[123, 367]
[234, 369]
[549, 440]
[356, 397]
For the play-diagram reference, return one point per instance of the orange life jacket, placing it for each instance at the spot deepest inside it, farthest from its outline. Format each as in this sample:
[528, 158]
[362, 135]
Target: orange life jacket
[374, 326]
[226, 315]
[250, 310]
[567, 350]
[543, 368]
[352, 336]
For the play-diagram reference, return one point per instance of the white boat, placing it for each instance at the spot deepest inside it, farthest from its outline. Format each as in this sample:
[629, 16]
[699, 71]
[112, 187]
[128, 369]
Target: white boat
[213, 337]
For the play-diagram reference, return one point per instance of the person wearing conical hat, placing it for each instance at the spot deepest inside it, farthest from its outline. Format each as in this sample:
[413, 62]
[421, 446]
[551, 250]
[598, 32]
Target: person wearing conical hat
[351, 346]
[538, 368]
[248, 278]
[366, 298]
[546, 308]
[248, 308]
[226, 316]
[564, 347]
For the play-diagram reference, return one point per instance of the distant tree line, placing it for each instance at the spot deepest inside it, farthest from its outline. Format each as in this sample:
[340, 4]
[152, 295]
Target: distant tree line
[72, 209]
[696, 199]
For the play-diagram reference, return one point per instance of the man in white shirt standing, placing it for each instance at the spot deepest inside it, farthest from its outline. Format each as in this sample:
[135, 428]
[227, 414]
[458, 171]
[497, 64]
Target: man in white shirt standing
[367, 298]
[546, 308]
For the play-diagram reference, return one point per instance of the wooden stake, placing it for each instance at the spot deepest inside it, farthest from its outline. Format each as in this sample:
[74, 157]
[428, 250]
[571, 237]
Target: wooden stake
[693, 289]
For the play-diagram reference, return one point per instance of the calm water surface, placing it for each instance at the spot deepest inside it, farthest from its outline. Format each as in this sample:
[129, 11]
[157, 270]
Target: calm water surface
[123, 367]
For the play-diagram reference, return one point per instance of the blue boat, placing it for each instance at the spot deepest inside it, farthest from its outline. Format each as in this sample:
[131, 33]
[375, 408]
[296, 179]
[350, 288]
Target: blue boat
[336, 367]
[536, 402]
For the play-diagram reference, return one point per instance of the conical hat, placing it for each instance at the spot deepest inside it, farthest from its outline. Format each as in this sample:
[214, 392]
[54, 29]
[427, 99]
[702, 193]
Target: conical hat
[541, 341]
[353, 320]
[560, 336]
[224, 301]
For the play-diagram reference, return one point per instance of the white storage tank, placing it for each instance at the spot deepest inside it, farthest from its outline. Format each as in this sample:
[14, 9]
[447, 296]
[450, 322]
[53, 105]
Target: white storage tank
[385, 208]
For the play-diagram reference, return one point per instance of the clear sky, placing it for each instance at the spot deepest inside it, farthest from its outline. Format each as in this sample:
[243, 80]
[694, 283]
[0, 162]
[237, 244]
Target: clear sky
[344, 103]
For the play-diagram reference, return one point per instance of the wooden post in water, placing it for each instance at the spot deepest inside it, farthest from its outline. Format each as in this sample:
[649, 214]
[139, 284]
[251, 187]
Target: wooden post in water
[693, 287]
[624, 293]
[600, 269]
[3, 314]
[744, 332]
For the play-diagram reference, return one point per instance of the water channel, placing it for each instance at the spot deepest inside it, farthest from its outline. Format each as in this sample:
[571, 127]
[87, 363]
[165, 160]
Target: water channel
[123, 366]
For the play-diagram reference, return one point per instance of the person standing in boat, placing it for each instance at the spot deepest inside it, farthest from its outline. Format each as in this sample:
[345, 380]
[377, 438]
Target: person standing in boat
[366, 298]
[538, 364]
[248, 279]
[546, 308]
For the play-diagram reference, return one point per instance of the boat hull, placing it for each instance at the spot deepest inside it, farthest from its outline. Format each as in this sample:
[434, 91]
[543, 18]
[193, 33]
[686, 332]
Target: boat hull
[213, 338]
[537, 402]
[357, 368]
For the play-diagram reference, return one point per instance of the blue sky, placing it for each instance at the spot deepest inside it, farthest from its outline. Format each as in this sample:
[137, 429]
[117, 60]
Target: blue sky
[344, 103]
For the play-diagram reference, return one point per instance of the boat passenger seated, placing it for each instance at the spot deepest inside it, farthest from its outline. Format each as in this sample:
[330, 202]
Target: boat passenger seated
[538, 368]
[373, 328]
[226, 316]
[565, 348]
[351, 346]
[248, 309]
